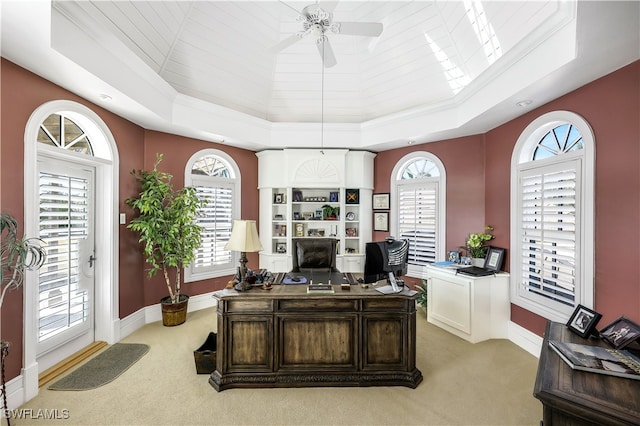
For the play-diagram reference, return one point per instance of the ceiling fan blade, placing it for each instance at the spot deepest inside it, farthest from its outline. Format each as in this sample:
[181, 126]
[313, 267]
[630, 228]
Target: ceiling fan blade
[285, 43]
[326, 53]
[369, 29]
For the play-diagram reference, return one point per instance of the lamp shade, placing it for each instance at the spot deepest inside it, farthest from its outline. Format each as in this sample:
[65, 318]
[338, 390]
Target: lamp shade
[244, 237]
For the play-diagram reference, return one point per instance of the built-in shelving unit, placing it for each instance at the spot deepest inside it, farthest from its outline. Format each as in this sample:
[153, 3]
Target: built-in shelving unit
[321, 198]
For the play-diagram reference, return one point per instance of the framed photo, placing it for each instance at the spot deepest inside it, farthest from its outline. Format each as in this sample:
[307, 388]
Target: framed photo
[318, 214]
[296, 216]
[278, 198]
[495, 258]
[583, 321]
[381, 201]
[351, 232]
[381, 221]
[281, 247]
[297, 196]
[621, 332]
[334, 197]
[352, 196]
[453, 256]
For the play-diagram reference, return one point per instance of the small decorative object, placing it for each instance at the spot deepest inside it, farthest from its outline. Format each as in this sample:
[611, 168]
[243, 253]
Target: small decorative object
[299, 229]
[297, 196]
[621, 332]
[476, 243]
[315, 233]
[453, 256]
[307, 215]
[381, 221]
[465, 260]
[583, 321]
[296, 215]
[352, 196]
[334, 196]
[280, 230]
[318, 214]
[278, 217]
[281, 247]
[278, 198]
[350, 216]
[495, 258]
[381, 201]
[351, 232]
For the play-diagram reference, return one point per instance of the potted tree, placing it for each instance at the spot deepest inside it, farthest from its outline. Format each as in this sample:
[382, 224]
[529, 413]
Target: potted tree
[168, 232]
[18, 254]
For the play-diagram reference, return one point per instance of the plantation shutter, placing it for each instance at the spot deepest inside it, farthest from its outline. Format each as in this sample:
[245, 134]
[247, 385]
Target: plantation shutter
[418, 220]
[549, 233]
[64, 225]
[215, 219]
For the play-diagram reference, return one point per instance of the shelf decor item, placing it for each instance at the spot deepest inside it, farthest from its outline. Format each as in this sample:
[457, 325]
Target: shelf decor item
[352, 196]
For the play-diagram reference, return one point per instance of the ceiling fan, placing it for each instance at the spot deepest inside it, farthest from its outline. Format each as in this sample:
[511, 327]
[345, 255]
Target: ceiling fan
[318, 22]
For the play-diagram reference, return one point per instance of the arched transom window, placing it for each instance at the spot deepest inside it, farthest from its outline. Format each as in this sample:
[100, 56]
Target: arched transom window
[60, 131]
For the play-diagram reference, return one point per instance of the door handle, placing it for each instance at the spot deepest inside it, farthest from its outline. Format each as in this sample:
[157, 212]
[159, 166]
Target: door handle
[91, 260]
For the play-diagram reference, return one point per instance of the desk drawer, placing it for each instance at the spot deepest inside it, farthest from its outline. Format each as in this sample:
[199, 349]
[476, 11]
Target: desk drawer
[312, 305]
[249, 305]
[385, 304]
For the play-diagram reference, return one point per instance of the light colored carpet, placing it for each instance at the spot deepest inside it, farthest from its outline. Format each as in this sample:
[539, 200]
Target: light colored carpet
[103, 368]
[487, 383]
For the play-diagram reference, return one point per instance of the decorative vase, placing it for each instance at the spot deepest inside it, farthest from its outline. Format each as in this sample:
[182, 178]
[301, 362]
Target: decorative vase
[478, 261]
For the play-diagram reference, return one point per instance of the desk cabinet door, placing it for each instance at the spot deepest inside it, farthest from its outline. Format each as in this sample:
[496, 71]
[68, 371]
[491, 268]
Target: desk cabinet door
[384, 342]
[450, 302]
[249, 343]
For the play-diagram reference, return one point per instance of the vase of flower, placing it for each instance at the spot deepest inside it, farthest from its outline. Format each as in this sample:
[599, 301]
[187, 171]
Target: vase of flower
[476, 246]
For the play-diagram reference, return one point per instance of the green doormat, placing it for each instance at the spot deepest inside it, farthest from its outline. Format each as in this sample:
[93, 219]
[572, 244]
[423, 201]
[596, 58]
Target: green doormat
[102, 369]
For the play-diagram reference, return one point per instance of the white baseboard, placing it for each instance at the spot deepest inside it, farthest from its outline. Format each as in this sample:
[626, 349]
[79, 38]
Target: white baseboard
[524, 338]
[16, 386]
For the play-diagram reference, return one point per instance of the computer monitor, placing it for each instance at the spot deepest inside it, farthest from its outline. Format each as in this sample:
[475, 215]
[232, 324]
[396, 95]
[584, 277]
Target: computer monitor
[385, 259]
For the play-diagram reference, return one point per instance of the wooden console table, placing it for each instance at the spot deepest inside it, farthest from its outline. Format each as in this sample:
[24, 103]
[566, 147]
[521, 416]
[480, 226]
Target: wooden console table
[288, 338]
[572, 397]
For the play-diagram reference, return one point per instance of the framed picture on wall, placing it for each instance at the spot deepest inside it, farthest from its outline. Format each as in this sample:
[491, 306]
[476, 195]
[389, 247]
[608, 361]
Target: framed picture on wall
[381, 201]
[381, 221]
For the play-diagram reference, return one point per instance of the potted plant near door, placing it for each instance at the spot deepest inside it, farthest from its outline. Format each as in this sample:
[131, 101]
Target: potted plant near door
[18, 254]
[168, 232]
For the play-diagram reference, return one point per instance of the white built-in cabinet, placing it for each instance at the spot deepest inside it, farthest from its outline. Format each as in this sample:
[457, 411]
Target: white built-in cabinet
[473, 308]
[298, 187]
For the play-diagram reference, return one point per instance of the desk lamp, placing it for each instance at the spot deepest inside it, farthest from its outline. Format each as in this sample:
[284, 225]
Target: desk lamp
[244, 238]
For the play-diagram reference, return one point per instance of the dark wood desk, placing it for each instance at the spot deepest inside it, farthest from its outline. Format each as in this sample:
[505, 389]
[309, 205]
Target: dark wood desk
[288, 338]
[571, 397]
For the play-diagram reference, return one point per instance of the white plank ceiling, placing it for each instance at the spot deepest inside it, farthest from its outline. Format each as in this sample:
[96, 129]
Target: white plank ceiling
[209, 68]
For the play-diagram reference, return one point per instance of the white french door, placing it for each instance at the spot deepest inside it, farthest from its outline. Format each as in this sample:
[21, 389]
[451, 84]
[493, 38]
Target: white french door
[65, 293]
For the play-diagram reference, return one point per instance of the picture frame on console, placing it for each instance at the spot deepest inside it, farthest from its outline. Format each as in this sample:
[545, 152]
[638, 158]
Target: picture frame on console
[620, 332]
[583, 321]
[495, 258]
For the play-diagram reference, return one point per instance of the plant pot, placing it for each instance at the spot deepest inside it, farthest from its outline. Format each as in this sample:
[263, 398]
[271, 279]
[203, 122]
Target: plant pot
[478, 261]
[174, 313]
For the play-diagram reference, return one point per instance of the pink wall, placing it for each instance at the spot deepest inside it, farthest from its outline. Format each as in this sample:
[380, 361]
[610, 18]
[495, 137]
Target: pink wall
[23, 92]
[477, 167]
[611, 105]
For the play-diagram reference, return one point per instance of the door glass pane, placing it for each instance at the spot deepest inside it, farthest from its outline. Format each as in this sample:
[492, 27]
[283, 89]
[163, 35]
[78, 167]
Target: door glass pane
[64, 226]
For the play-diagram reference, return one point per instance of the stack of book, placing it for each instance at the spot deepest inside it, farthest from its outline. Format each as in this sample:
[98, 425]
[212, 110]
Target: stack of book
[595, 359]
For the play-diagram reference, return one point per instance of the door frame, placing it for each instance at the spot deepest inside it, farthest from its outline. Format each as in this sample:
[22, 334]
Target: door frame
[106, 163]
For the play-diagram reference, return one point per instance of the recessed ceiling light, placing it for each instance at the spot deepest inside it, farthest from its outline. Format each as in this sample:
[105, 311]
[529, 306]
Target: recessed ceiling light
[411, 142]
[524, 103]
[105, 97]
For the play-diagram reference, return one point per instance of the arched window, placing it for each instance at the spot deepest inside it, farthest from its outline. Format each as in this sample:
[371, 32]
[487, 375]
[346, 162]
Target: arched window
[418, 205]
[60, 131]
[216, 178]
[552, 218]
